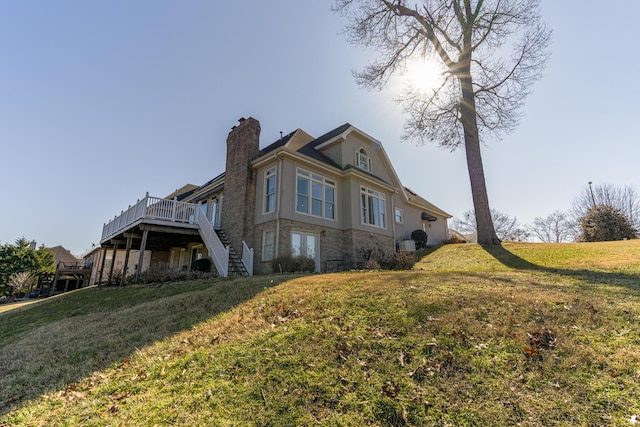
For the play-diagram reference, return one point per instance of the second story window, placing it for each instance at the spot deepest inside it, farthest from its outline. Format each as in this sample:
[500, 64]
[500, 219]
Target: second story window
[270, 190]
[372, 205]
[315, 195]
[363, 160]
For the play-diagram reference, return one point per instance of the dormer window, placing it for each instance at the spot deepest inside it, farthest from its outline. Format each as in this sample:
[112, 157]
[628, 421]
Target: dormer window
[363, 160]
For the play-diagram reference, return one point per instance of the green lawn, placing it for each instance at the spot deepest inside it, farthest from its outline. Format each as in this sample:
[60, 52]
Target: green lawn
[524, 334]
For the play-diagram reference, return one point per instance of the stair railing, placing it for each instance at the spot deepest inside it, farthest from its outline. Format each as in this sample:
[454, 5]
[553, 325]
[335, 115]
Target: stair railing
[247, 258]
[217, 251]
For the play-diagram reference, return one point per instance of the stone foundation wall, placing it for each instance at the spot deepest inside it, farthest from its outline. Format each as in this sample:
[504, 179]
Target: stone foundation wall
[134, 257]
[337, 247]
[375, 246]
[159, 257]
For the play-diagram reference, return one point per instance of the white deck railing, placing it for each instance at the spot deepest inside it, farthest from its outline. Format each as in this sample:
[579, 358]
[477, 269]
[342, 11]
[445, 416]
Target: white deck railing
[156, 208]
[247, 258]
[152, 208]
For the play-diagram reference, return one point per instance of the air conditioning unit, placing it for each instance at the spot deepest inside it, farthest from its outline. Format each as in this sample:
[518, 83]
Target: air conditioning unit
[407, 246]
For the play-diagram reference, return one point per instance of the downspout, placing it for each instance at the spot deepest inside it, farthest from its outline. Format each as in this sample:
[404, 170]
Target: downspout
[393, 221]
[278, 201]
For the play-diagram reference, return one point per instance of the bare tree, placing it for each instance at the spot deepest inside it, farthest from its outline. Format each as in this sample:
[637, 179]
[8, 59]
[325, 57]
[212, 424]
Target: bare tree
[483, 84]
[507, 227]
[21, 282]
[557, 227]
[626, 199]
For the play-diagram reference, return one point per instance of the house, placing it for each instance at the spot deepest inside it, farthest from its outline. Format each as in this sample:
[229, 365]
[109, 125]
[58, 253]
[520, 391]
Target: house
[71, 273]
[335, 199]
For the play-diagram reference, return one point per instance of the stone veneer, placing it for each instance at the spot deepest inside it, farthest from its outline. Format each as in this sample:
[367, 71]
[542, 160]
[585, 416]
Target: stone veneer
[362, 241]
[334, 243]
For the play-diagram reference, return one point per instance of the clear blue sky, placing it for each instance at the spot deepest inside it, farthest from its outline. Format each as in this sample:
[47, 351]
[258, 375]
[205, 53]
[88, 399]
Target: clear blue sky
[102, 101]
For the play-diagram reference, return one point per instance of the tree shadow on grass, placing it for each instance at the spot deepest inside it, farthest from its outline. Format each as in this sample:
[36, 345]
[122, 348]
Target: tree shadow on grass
[61, 347]
[507, 258]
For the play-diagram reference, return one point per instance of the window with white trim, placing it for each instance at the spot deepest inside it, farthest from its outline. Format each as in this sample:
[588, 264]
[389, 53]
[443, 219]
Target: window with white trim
[372, 205]
[268, 245]
[270, 190]
[306, 245]
[398, 215]
[363, 161]
[315, 195]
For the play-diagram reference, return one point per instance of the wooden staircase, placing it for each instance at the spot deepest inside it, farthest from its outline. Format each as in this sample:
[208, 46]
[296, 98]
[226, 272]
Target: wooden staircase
[236, 266]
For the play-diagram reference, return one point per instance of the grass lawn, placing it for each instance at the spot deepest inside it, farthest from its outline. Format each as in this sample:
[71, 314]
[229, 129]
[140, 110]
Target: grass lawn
[14, 305]
[524, 334]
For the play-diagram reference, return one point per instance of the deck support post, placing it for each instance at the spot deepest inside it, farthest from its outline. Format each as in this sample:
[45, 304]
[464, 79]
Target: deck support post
[113, 262]
[55, 281]
[104, 258]
[126, 259]
[145, 234]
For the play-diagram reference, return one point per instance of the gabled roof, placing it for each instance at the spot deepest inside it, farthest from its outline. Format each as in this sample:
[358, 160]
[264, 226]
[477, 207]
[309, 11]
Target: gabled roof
[295, 141]
[364, 172]
[301, 142]
[60, 254]
[309, 150]
[276, 144]
[202, 187]
[331, 134]
[182, 191]
[413, 197]
[291, 137]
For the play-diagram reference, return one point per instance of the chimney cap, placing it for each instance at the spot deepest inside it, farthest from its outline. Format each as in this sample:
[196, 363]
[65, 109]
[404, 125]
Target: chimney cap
[241, 119]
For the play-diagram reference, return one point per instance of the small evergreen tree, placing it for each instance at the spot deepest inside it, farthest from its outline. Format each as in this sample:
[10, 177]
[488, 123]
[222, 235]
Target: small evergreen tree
[420, 237]
[603, 223]
[22, 257]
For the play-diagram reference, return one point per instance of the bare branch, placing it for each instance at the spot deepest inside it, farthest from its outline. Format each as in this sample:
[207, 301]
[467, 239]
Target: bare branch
[484, 89]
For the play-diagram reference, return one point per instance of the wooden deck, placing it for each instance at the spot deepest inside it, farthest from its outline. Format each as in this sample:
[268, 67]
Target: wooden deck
[155, 211]
[154, 218]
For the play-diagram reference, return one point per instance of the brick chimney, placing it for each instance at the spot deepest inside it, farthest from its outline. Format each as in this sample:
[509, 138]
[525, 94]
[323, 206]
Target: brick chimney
[238, 209]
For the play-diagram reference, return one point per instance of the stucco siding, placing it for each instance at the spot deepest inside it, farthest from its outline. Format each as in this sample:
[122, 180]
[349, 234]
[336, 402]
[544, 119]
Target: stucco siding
[412, 220]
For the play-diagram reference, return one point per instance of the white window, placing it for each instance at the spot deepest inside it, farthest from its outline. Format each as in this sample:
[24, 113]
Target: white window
[305, 244]
[399, 215]
[215, 214]
[270, 190]
[196, 254]
[363, 161]
[372, 205]
[203, 206]
[268, 245]
[315, 195]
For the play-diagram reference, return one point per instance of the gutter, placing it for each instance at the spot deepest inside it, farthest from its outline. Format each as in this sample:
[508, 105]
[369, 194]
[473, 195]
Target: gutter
[278, 202]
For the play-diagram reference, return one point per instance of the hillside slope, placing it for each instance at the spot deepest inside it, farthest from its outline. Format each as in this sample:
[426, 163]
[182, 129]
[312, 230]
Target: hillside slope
[527, 334]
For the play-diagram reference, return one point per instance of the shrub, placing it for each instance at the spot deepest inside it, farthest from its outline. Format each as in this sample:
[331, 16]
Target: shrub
[293, 264]
[604, 223]
[420, 237]
[376, 259]
[21, 282]
[454, 240]
[163, 273]
[372, 264]
[203, 265]
[373, 258]
[404, 260]
[116, 278]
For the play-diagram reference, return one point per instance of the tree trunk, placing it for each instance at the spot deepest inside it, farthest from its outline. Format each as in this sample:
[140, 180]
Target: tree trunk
[485, 230]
